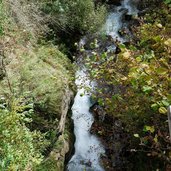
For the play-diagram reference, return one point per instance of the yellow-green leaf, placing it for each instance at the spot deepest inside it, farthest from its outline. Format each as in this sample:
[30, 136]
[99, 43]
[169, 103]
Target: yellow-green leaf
[126, 55]
[136, 135]
[156, 139]
[168, 42]
[149, 128]
[161, 70]
[162, 110]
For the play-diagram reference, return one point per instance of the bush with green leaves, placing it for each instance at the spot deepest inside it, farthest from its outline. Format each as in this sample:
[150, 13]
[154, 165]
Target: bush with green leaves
[79, 15]
[20, 148]
[168, 2]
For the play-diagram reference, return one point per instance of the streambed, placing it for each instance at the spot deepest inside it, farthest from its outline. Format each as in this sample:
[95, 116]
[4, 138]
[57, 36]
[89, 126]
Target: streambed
[88, 148]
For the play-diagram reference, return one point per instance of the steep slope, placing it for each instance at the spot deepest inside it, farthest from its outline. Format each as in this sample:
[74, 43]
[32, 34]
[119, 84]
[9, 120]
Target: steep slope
[38, 77]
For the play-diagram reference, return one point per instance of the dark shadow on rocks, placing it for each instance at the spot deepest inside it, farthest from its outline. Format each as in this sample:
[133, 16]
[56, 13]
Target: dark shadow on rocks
[110, 130]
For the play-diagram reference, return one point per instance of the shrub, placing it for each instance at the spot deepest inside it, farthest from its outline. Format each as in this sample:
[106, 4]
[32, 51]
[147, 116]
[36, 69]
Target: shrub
[168, 2]
[20, 148]
[75, 15]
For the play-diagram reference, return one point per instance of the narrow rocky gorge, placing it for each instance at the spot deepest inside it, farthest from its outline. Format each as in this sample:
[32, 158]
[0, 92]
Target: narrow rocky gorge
[85, 85]
[88, 148]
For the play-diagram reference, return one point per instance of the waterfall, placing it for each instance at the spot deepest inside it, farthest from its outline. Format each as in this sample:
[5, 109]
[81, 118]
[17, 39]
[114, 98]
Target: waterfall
[88, 148]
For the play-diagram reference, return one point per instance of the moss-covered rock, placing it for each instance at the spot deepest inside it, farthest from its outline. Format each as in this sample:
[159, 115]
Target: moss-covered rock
[42, 72]
[55, 161]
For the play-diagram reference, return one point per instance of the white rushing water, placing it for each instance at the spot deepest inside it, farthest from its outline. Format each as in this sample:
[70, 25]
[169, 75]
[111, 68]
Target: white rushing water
[131, 6]
[88, 148]
[113, 23]
[114, 20]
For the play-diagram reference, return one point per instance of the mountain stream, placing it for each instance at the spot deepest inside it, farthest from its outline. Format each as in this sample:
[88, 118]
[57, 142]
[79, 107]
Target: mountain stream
[88, 148]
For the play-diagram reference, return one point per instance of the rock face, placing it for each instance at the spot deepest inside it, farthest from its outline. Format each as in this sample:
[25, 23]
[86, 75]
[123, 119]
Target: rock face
[2, 72]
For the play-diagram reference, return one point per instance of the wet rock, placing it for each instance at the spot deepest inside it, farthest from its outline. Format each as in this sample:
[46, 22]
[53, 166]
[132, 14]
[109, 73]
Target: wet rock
[128, 17]
[102, 44]
[118, 50]
[124, 31]
[124, 11]
[114, 2]
[112, 135]
[125, 16]
[98, 112]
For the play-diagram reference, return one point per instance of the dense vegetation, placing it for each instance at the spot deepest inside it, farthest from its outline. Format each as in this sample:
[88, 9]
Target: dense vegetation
[80, 16]
[136, 88]
[36, 80]
[20, 147]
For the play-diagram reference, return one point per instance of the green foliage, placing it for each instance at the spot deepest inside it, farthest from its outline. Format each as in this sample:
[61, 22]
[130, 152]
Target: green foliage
[38, 71]
[20, 148]
[168, 2]
[39, 79]
[75, 15]
[135, 86]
